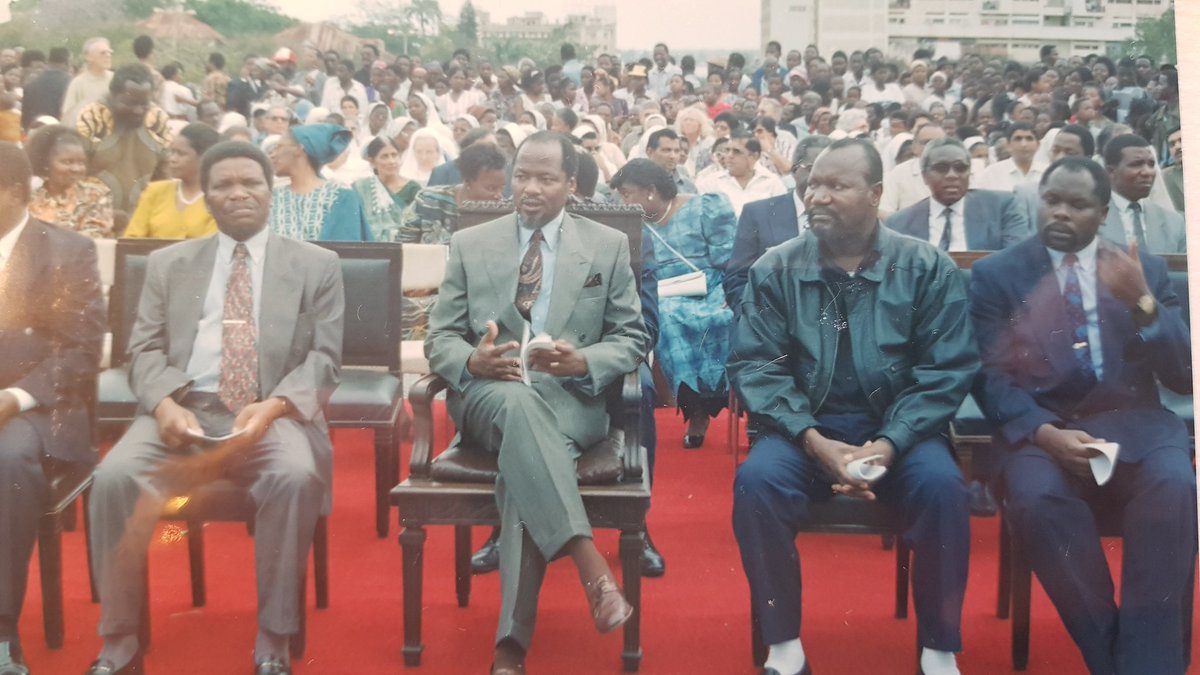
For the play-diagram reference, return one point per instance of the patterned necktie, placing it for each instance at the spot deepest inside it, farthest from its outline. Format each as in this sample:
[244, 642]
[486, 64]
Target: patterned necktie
[945, 243]
[239, 351]
[1077, 317]
[529, 284]
[1139, 229]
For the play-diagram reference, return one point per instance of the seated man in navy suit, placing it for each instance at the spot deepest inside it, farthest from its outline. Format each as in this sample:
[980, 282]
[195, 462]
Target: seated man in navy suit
[1074, 332]
[770, 222]
[979, 220]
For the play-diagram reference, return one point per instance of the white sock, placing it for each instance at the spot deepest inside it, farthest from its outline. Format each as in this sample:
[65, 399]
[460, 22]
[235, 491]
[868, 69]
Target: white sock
[119, 649]
[786, 657]
[934, 662]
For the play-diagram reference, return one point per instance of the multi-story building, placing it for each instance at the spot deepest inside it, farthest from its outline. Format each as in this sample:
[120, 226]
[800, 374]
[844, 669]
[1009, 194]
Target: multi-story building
[596, 31]
[1009, 28]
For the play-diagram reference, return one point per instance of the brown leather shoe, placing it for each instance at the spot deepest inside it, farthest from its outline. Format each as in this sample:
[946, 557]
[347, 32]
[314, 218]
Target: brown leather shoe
[609, 608]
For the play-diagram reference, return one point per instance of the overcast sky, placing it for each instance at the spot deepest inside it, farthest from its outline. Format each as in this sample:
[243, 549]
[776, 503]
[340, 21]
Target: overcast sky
[640, 23]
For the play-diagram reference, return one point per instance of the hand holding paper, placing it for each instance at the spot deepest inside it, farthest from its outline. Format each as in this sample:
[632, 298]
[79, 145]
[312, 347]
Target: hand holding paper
[1104, 461]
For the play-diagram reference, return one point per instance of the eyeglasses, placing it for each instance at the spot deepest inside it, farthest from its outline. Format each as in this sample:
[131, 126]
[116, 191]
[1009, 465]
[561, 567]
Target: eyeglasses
[801, 165]
[943, 168]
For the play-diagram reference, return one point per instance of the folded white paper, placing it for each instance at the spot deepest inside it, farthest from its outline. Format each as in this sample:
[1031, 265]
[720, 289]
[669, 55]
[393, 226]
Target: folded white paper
[203, 439]
[866, 469]
[530, 344]
[1104, 462]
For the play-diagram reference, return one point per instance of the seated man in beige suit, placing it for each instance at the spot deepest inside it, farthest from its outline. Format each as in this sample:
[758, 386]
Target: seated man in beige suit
[241, 331]
[570, 278]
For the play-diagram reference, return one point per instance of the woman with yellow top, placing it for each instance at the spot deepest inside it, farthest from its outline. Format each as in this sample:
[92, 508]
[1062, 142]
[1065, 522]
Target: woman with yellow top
[174, 209]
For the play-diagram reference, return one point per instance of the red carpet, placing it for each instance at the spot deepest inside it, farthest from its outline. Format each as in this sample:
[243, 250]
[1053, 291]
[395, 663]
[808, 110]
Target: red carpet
[695, 619]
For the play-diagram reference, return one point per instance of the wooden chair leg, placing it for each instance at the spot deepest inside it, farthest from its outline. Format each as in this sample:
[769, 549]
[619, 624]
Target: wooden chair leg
[299, 641]
[462, 564]
[631, 575]
[384, 470]
[1005, 572]
[87, 526]
[195, 544]
[50, 563]
[412, 543]
[70, 517]
[1022, 580]
[321, 562]
[903, 561]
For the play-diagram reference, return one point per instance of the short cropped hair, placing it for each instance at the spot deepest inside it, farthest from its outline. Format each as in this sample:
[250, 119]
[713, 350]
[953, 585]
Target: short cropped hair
[570, 159]
[1115, 147]
[945, 141]
[234, 150]
[874, 163]
[480, 157]
[1085, 137]
[1102, 188]
[645, 174]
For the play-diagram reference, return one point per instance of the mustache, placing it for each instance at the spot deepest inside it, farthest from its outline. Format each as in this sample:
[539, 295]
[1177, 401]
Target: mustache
[828, 213]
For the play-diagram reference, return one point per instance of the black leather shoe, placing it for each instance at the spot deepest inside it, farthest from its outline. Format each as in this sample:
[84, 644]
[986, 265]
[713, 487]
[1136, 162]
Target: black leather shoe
[693, 441]
[106, 667]
[487, 558]
[980, 500]
[273, 666]
[11, 662]
[653, 565]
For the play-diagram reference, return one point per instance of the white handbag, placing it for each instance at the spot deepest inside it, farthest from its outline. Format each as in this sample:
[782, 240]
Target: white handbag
[694, 283]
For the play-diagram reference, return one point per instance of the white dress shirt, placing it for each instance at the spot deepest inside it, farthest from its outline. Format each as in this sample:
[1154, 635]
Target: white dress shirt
[205, 363]
[903, 186]
[937, 223]
[8, 243]
[1004, 176]
[801, 216]
[1126, 213]
[762, 185]
[331, 97]
[659, 81]
[550, 237]
[1085, 271]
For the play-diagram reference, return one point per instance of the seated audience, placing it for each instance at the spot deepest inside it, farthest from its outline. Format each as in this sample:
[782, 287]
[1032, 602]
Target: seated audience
[175, 209]
[1131, 216]
[878, 380]
[1076, 334]
[386, 194]
[743, 179]
[310, 207]
[67, 196]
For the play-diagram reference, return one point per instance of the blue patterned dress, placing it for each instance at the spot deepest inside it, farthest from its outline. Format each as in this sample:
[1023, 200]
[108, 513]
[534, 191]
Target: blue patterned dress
[329, 213]
[696, 331]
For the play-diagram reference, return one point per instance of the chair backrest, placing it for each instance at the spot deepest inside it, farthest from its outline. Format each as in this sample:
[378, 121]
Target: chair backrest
[106, 258]
[371, 275]
[424, 266]
[627, 219]
[129, 274]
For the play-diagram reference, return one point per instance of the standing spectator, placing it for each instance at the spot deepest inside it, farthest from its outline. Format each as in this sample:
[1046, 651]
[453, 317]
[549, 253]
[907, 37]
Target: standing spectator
[91, 84]
[691, 233]
[175, 208]
[143, 50]
[127, 136]
[67, 197]
[216, 81]
[247, 88]
[177, 100]
[572, 68]
[662, 72]
[368, 55]
[310, 207]
[44, 94]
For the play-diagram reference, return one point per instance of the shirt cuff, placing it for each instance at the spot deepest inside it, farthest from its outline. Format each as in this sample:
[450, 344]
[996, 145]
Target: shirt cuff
[25, 400]
[1153, 331]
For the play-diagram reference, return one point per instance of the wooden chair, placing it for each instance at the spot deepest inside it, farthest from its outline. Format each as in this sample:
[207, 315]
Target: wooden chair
[370, 394]
[457, 487]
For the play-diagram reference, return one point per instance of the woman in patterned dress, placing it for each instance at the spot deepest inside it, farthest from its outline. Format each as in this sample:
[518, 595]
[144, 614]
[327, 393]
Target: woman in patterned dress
[311, 207]
[695, 331]
[67, 197]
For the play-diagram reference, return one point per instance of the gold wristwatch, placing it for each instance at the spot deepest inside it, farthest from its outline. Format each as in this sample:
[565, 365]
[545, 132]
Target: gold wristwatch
[1147, 305]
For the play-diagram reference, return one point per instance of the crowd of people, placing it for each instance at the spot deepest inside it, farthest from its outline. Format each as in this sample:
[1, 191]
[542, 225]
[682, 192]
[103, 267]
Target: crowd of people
[798, 214]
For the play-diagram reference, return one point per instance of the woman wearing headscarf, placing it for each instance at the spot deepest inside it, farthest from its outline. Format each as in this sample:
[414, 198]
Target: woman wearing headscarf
[175, 208]
[691, 233]
[427, 149]
[387, 193]
[425, 113]
[694, 125]
[400, 130]
[310, 207]
[462, 124]
[379, 116]
[432, 218]
[509, 137]
[532, 117]
[609, 150]
[506, 98]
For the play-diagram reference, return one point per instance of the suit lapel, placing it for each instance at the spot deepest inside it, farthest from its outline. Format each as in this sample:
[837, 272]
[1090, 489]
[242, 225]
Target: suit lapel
[189, 281]
[279, 306]
[786, 225]
[570, 273]
[29, 258]
[1113, 229]
[973, 223]
[1048, 310]
[1155, 228]
[502, 263]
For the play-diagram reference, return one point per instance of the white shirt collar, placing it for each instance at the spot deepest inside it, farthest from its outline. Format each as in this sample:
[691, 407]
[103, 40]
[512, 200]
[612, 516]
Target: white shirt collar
[256, 245]
[550, 231]
[1121, 202]
[940, 209]
[1086, 256]
[8, 243]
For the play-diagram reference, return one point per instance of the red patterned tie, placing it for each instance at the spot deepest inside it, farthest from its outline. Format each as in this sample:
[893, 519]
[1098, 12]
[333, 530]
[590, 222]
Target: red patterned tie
[239, 352]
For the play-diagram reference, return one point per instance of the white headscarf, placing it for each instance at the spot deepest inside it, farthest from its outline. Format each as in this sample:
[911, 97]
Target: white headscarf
[364, 135]
[433, 118]
[515, 132]
[639, 150]
[228, 121]
[317, 115]
[408, 164]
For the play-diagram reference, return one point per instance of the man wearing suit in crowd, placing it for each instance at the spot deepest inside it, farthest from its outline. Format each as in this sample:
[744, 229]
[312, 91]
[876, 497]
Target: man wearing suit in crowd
[570, 278]
[1073, 140]
[240, 331]
[770, 222]
[51, 330]
[1074, 332]
[978, 220]
[1132, 217]
[878, 378]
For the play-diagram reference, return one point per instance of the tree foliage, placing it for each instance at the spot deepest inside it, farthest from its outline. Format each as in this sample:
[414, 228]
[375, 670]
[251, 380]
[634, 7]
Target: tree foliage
[241, 17]
[1155, 38]
[468, 25]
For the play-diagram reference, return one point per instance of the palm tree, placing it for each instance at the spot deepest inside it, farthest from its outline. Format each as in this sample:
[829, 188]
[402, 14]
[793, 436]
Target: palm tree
[427, 14]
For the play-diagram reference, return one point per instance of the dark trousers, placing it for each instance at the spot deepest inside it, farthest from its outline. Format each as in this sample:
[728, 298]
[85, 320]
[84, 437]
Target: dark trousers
[1051, 512]
[649, 429]
[23, 494]
[774, 487]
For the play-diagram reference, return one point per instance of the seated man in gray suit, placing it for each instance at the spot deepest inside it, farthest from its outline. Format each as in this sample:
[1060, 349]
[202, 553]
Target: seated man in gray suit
[1131, 216]
[954, 217]
[241, 332]
[570, 278]
[51, 329]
